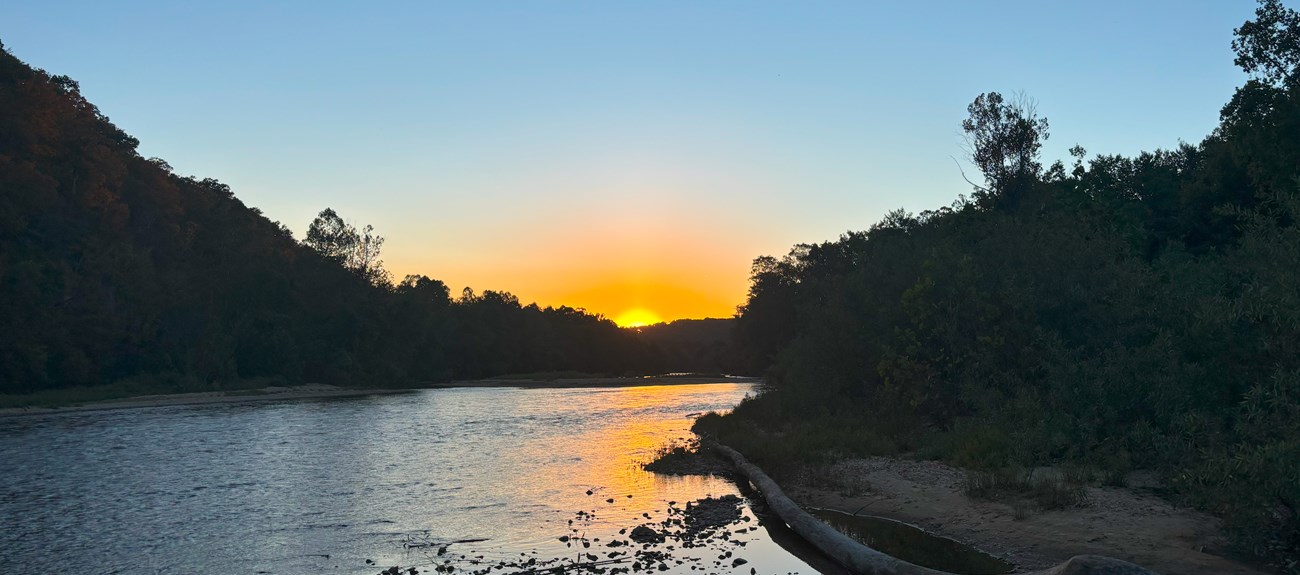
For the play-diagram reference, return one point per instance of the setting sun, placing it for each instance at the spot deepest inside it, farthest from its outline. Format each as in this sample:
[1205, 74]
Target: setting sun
[637, 317]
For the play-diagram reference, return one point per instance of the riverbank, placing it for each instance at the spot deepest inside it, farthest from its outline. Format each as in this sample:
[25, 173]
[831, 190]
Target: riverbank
[320, 390]
[1133, 525]
[1129, 524]
[563, 382]
[272, 393]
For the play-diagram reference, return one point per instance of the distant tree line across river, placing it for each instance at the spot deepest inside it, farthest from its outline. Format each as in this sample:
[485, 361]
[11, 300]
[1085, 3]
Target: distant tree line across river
[114, 270]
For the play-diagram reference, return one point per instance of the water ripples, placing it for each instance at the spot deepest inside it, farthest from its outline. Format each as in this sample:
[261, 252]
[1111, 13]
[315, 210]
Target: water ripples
[278, 486]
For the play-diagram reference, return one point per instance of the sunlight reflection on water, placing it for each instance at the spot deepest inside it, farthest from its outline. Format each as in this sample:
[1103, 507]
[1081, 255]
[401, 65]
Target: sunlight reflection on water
[278, 486]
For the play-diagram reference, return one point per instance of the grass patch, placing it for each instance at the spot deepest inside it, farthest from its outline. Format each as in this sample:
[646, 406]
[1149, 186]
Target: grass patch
[782, 447]
[687, 458]
[1023, 489]
[824, 477]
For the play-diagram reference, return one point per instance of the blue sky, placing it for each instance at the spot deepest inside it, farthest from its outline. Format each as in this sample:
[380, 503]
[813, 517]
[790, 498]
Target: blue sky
[534, 146]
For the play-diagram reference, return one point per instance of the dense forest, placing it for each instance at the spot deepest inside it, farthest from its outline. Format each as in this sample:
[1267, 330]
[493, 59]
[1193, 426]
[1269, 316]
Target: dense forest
[115, 271]
[703, 346]
[1115, 312]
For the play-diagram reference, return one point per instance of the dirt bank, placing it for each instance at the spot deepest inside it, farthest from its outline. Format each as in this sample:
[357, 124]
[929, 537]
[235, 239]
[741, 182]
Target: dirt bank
[1116, 522]
[264, 394]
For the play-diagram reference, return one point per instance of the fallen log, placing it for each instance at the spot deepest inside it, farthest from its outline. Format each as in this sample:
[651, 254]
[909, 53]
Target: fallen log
[863, 559]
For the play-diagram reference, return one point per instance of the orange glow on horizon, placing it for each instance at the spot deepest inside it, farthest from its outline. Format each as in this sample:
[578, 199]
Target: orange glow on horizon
[692, 288]
[637, 317]
[657, 256]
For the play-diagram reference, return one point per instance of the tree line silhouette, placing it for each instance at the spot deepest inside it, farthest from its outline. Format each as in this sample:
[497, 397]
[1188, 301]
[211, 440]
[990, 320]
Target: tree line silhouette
[1120, 312]
[115, 270]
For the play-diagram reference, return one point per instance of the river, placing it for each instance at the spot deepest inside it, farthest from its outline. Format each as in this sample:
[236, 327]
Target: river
[355, 485]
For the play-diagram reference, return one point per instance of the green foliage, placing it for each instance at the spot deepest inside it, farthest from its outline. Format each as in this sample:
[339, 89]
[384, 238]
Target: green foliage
[1045, 489]
[761, 428]
[1135, 313]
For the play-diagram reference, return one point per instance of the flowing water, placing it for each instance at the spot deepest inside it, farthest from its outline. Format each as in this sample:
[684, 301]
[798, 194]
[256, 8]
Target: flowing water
[355, 485]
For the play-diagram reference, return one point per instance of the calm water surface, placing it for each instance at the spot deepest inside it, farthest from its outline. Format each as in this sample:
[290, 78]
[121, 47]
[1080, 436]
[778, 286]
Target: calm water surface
[320, 486]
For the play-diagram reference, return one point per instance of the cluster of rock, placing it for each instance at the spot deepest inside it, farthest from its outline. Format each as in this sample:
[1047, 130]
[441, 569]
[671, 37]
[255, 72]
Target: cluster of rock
[712, 523]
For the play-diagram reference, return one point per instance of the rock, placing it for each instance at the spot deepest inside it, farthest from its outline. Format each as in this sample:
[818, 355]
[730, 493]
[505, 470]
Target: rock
[644, 534]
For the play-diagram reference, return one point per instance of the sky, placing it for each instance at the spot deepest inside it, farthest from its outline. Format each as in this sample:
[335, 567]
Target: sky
[619, 156]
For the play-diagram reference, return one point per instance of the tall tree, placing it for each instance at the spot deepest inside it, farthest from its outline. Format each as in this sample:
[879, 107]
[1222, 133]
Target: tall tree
[356, 250]
[1268, 47]
[1003, 138]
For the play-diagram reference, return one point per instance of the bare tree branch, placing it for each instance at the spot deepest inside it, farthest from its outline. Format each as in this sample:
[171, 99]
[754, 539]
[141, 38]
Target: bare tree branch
[963, 176]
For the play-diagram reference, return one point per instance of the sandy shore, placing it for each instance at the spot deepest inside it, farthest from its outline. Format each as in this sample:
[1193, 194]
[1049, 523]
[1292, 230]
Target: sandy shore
[320, 390]
[309, 391]
[1122, 523]
[596, 381]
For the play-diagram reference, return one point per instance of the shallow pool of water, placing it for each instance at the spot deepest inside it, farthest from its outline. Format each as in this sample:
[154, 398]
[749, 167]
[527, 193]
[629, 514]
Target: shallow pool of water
[913, 544]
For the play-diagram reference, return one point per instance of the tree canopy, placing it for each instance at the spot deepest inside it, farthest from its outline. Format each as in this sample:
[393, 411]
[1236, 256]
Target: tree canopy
[116, 271]
[1004, 138]
[1133, 313]
[341, 242]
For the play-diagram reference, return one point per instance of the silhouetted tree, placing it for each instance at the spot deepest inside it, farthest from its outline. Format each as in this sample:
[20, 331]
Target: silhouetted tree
[356, 250]
[1003, 138]
[1268, 47]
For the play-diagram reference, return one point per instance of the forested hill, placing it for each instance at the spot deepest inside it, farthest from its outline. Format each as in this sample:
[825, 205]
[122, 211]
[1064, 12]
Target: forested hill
[1118, 313]
[114, 270]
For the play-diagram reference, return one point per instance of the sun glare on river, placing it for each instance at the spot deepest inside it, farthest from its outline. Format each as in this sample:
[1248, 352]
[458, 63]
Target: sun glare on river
[637, 317]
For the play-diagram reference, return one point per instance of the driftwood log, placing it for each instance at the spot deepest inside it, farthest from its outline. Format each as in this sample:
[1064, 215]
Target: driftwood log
[863, 559]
